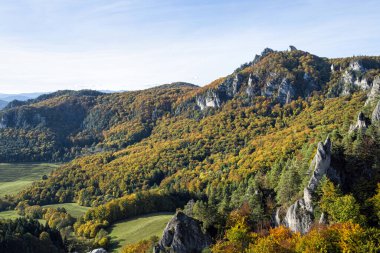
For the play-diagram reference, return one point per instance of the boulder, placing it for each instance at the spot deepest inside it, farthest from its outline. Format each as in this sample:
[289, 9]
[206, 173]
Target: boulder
[299, 216]
[182, 234]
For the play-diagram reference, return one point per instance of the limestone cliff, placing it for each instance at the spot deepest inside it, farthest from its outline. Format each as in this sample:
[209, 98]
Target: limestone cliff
[299, 216]
[374, 93]
[376, 113]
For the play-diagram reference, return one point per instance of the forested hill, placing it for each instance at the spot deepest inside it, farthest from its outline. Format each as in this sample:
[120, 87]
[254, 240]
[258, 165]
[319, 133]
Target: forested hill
[241, 147]
[66, 124]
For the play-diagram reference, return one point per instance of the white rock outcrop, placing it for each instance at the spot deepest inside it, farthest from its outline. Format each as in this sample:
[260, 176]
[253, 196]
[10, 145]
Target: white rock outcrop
[351, 79]
[210, 99]
[299, 216]
[356, 66]
[376, 113]
[100, 250]
[374, 93]
[360, 123]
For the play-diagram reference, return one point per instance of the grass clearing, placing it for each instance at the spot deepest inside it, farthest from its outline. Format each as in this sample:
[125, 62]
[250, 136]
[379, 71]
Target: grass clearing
[15, 177]
[137, 229]
[9, 215]
[73, 209]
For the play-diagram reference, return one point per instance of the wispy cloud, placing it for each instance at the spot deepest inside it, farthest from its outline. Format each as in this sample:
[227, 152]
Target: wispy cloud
[114, 44]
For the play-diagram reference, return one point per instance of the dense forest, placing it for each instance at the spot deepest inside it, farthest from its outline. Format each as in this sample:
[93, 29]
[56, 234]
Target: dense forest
[235, 154]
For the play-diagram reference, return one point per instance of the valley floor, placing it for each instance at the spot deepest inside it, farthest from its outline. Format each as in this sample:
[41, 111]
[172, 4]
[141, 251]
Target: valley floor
[137, 229]
[15, 177]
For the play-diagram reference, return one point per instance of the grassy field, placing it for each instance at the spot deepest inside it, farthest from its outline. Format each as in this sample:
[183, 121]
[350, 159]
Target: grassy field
[16, 176]
[140, 228]
[73, 209]
[9, 215]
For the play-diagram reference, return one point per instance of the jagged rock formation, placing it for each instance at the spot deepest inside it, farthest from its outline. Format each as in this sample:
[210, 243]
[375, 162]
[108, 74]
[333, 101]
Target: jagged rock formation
[73, 121]
[332, 68]
[292, 48]
[322, 219]
[356, 66]
[210, 99]
[100, 250]
[374, 94]
[299, 216]
[360, 123]
[280, 88]
[376, 113]
[182, 234]
[352, 80]
[261, 78]
[264, 53]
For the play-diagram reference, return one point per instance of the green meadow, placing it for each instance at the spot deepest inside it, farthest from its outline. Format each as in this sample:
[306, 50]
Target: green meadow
[72, 208]
[15, 177]
[137, 229]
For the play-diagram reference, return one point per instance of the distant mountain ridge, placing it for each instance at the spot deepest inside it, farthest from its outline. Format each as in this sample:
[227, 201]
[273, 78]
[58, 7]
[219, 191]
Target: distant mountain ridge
[3, 104]
[20, 96]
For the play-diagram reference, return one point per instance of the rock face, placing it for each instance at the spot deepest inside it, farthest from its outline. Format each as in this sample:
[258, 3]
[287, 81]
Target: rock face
[374, 94]
[214, 97]
[360, 123]
[332, 68]
[376, 113]
[210, 99]
[182, 234]
[356, 66]
[264, 80]
[352, 80]
[279, 88]
[299, 216]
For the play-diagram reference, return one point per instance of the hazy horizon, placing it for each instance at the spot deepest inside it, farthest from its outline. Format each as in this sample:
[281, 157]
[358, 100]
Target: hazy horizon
[130, 45]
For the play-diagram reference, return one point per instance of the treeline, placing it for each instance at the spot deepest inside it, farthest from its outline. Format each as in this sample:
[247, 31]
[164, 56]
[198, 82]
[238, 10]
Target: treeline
[186, 154]
[23, 235]
[348, 230]
[66, 124]
[93, 223]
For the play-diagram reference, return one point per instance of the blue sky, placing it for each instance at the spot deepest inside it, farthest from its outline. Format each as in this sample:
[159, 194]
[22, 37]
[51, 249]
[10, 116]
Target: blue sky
[47, 45]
